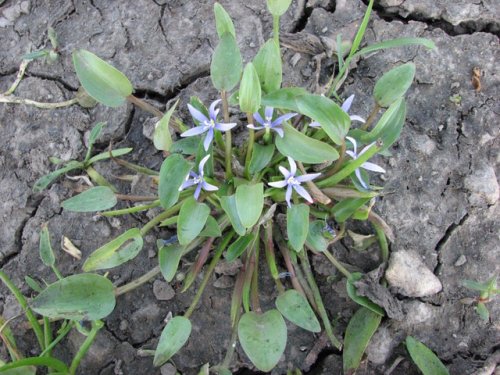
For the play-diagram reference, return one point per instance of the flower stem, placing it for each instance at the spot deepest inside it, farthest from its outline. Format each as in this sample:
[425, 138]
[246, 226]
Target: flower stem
[316, 193]
[96, 326]
[131, 210]
[371, 117]
[382, 241]
[159, 218]
[254, 288]
[337, 264]
[145, 106]
[41, 105]
[251, 140]
[276, 29]
[338, 163]
[229, 142]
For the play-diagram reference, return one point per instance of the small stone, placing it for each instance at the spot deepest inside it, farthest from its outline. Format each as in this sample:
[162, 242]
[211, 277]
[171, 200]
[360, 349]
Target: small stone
[123, 325]
[483, 186]
[324, 29]
[224, 282]
[168, 369]
[251, 45]
[163, 291]
[410, 276]
[460, 261]
[228, 268]
[418, 313]
[380, 347]
[151, 253]
[150, 77]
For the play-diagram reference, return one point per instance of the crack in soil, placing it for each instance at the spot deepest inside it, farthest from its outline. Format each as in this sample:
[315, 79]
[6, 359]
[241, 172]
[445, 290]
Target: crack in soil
[447, 235]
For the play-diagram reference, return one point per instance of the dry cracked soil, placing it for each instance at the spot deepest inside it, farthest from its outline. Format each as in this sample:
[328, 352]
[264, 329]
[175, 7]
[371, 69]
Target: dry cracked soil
[441, 186]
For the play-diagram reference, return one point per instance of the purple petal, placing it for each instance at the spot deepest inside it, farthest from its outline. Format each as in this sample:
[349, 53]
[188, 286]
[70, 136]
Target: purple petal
[357, 118]
[366, 149]
[288, 195]
[223, 127]
[354, 144]
[303, 193]
[347, 104]
[284, 172]
[197, 114]
[258, 118]
[278, 184]
[372, 167]
[194, 131]
[197, 192]
[307, 177]
[208, 139]
[360, 179]
[268, 113]
[201, 166]
[255, 127]
[208, 187]
[285, 117]
[280, 131]
[293, 166]
[315, 124]
[212, 111]
[186, 184]
[351, 154]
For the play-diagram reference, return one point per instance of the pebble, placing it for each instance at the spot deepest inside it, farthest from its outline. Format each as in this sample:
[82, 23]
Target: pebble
[123, 325]
[380, 347]
[228, 268]
[168, 369]
[483, 186]
[410, 275]
[224, 282]
[460, 261]
[163, 291]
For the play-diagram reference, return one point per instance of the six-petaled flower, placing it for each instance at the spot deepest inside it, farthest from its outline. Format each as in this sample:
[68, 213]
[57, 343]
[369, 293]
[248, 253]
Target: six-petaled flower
[198, 179]
[293, 182]
[345, 107]
[366, 165]
[268, 123]
[207, 124]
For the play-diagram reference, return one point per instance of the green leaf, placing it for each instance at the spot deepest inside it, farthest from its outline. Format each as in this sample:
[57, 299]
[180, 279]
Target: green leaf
[285, 98]
[482, 311]
[172, 339]
[361, 300]
[33, 284]
[223, 22]
[263, 338]
[77, 297]
[186, 146]
[360, 330]
[424, 358]
[98, 198]
[394, 84]
[116, 252]
[474, 285]
[399, 42]
[46, 252]
[239, 246]
[103, 82]
[36, 54]
[169, 257]
[46, 180]
[267, 63]
[226, 66]
[173, 172]
[347, 207]
[303, 148]
[315, 239]
[162, 139]
[295, 308]
[334, 121]
[297, 225]
[261, 156]
[211, 229]
[278, 7]
[94, 134]
[228, 204]
[105, 155]
[250, 93]
[249, 203]
[26, 366]
[192, 218]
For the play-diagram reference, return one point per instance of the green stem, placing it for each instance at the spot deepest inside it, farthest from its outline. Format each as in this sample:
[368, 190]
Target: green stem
[145, 106]
[382, 241]
[371, 117]
[337, 264]
[37, 361]
[159, 218]
[276, 29]
[47, 334]
[170, 221]
[208, 273]
[251, 141]
[338, 163]
[254, 288]
[131, 210]
[229, 142]
[317, 297]
[96, 326]
[57, 273]
[59, 337]
[24, 305]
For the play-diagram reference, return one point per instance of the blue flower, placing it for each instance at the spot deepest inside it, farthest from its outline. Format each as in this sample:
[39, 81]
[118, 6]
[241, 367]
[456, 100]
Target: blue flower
[366, 165]
[198, 180]
[293, 182]
[268, 122]
[345, 107]
[207, 124]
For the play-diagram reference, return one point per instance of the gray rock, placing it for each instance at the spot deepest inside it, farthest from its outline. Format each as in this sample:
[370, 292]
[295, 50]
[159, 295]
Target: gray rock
[410, 276]
[224, 282]
[228, 268]
[168, 369]
[380, 347]
[163, 291]
[483, 186]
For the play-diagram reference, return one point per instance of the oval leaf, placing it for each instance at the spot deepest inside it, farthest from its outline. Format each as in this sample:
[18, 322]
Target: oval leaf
[162, 139]
[303, 148]
[173, 337]
[296, 309]
[263, 338]
[347, 207]
[278, 7]
[250, 93]
[297, 225]
[192, 218]
[238, 247]
[169, 257]
[360, 330]
[315, 239]
[46, 180]
[424, 358]
[223, 22]
[173, 172]
[212, 228]
[261, 156]
[361, 300]
[226, 66]
[285, 98]
[228, 204]
[249, 203]
[46, 252]
[77, 297]
[116, 252]
[268, 66]
[394, 84]
[103, 82]
[98, 198]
